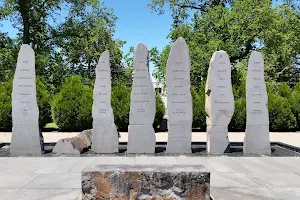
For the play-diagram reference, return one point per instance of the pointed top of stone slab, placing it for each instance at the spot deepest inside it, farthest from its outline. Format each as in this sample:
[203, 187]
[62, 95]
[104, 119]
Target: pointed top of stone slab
[180, 40]
[220, 56]
[141, 47]
[141, 57]
[179, 45]
[256, 57]
[26, 48]
[104, 59]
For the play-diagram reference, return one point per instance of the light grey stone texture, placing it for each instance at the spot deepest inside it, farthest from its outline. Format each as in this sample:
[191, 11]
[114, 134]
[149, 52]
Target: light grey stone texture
[25, 113]
[180, 111]
[55, 181]
[141, 135]
[105, 135]
[15, 180]
[107, 139]
[47, 194]
[74, 145]
[145, 182]
[219, 102]
[217, 139]
[179, 141]
[231, 193]
[257, 136]
[287, 193]
[142, 139]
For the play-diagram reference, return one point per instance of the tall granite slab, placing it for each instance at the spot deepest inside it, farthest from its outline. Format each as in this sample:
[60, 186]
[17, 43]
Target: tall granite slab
[257, 137]
[180, 111]
[25, 113]
[105, 135]
[219, 103]
[141, 135]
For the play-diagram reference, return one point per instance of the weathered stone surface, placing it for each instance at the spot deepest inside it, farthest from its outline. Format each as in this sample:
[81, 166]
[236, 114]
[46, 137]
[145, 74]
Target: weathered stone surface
[217, 139]
[180, 111]
[257, 139]
[145, 182]
[105, 135]
[144, 132]
[107, 139]
[142, 106]
[180, 139]
[74, 145]
[25, 113]
[219, 102]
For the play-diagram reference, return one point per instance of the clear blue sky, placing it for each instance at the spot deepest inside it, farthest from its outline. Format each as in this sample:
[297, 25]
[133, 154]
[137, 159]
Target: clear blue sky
[136, 23]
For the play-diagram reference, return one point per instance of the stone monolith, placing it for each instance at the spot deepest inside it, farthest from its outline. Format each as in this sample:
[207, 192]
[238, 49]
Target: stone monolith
[26, 138]
[257, 138]
[105, 135]
[219, 103]
[141, 135]
[180, 111]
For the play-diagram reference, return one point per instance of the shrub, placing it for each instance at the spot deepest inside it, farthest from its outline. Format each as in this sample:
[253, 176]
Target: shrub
[199, 117]
[120, 100]
[294, 101]
[280, 114]
[5, 106]
[284, 90]
[43, 101]
[160, 111]
[238, 120]
[72, 106]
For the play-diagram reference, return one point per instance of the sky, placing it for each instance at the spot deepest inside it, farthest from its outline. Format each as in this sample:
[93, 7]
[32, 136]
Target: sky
[136, 23]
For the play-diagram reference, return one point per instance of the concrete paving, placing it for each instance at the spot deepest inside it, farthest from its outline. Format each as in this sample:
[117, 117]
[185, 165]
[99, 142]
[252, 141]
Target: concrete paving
[291, 138]
[232, 178]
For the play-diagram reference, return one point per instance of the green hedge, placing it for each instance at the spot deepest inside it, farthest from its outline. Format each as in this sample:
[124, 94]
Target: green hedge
[238, 120]
[160, 111]
[43, 101]
[120, 101]
[199, 117]
[280, 114]
[72, 106]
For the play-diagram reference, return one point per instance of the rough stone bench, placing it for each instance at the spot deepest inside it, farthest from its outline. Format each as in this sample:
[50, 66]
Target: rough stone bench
[155, 182]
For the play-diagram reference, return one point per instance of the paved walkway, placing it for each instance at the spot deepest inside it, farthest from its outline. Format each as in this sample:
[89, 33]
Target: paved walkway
[291, 138]
[234, 178]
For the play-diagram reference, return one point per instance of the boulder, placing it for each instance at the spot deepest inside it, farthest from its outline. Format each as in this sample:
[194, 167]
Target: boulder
[74, 145]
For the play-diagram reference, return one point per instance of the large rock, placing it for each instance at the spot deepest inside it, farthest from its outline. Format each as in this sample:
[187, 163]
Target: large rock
[105, 135]
[180, 111]
[74, 145]
[257, 139]
[142, 106]
[145, 182]
[219, 103]
[25, 113]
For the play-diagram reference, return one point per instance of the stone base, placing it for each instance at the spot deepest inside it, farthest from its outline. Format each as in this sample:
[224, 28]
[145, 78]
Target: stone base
[105, 139]
[25, 140]
[257, 140]
[145, 182]
[141, 139]
[74, 145]
[179, 139]
[217, 140]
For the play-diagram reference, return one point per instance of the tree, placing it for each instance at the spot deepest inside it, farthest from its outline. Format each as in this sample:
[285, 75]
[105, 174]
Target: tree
[237, 27]
[67, 36]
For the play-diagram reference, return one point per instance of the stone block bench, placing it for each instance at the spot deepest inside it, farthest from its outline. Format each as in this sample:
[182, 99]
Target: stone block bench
[131, 182]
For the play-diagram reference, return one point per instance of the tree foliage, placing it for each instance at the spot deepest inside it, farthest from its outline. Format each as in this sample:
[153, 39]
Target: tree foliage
[237, 27]
[72, 106]
[67, 36]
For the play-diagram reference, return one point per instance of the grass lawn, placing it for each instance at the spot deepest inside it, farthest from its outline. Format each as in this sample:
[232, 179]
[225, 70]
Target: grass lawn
[51, 125]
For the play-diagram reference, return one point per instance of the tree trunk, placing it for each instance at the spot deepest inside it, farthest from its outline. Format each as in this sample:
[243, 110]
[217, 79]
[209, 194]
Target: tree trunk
[24, 9]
